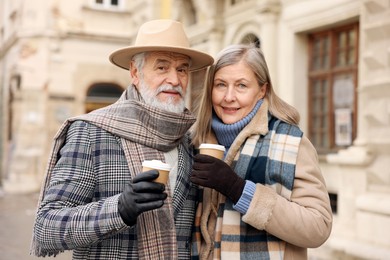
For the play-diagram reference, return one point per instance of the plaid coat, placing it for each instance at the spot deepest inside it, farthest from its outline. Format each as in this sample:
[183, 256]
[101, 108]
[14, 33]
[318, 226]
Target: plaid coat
[93, 170]
[79, 211]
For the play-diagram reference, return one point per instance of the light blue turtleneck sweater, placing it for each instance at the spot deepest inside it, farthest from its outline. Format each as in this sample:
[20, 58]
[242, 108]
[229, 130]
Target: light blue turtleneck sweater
[226, 134]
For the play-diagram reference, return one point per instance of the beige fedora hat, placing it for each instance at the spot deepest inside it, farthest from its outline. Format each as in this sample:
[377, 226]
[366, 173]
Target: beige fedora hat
[161, 35]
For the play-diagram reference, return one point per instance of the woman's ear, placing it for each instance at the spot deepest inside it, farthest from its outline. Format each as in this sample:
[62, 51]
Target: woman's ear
[263, 90]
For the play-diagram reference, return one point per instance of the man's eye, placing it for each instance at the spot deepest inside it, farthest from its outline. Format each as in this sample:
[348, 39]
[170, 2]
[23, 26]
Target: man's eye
[183, 70]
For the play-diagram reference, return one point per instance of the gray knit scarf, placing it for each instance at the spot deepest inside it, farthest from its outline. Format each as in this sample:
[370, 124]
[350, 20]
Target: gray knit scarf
[146, 132]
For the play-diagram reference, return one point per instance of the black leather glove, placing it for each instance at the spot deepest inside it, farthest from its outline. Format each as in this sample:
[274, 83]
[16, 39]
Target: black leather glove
[211, 172]
[141, 195]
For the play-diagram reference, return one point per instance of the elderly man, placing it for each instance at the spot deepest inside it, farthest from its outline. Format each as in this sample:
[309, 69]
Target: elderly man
[96, 199]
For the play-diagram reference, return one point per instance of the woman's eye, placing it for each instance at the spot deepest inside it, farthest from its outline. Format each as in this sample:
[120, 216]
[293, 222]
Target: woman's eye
[220, 85]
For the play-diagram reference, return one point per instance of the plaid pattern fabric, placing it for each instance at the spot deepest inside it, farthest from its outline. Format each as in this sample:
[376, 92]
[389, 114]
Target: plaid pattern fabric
[88, 169]
[269, 160]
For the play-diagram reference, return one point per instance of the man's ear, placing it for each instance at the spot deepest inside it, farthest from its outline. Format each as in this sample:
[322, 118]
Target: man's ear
[134, 73]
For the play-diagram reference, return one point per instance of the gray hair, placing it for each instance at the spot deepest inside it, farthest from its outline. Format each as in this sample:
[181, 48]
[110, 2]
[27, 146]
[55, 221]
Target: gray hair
[139, 61]
[254, 58]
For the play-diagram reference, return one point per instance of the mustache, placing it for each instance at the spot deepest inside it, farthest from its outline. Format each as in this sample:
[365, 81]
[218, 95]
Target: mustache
[162, 88]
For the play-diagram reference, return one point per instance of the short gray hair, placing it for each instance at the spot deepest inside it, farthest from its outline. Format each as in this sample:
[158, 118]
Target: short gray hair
[139, 60]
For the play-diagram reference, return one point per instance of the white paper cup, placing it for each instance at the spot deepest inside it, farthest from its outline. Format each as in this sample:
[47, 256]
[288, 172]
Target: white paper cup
[214, 150]
[163, 169]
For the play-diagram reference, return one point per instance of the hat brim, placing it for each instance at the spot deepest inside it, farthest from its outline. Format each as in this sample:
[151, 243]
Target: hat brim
[122, 57]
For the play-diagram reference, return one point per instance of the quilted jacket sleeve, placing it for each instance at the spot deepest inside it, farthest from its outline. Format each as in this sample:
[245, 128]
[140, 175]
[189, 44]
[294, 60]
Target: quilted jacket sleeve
[306, 220]
[75, 211]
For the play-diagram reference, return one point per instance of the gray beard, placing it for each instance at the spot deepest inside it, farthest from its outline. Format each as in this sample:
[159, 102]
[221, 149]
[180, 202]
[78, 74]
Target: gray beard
[150, 98]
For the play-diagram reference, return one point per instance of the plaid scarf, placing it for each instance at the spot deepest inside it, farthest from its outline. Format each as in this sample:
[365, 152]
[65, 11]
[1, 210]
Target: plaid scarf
[264, 153]
[146, 132]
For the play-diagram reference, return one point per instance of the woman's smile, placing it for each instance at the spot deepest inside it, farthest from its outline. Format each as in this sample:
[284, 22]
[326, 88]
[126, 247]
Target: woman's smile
[235, 92]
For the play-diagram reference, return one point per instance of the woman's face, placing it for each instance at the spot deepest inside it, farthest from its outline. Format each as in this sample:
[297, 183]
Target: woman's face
[235, 92]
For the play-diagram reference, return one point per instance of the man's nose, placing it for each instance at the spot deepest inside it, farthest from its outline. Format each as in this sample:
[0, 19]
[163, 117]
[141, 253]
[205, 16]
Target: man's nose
[173, 78]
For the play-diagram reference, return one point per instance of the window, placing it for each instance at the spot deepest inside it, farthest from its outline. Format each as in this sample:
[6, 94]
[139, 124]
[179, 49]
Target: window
[234, 2]
[333, 64]
[107, 4]
[333, 202]
[101, 95]
[251, 38]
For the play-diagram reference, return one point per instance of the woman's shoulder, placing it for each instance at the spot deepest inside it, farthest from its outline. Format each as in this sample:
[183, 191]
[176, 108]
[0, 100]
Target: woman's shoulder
[281, 127]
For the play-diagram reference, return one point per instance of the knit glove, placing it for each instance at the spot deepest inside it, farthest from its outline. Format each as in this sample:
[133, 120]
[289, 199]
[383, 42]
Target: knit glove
[214, 173]
[141, 195]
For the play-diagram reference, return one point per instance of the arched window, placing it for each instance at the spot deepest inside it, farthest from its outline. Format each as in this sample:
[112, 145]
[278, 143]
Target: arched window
[251, 38]
[101, 95]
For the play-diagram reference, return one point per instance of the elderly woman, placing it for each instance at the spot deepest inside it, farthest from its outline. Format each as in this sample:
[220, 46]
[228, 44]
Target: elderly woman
[267, 199]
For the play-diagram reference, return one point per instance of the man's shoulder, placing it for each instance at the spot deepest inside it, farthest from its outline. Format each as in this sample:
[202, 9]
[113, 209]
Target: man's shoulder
[87, 128]
[83, 125]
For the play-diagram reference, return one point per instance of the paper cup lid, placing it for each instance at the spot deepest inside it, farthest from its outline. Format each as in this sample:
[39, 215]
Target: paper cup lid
[212, 146]
[156, 164]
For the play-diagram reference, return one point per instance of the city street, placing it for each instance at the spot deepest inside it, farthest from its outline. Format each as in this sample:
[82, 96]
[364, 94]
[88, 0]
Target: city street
[16, 220]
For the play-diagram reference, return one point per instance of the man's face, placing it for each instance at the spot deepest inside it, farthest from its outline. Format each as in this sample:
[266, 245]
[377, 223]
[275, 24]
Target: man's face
[163, 80]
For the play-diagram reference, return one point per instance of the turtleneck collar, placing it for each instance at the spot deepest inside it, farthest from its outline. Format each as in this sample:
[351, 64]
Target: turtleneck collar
[226, 133]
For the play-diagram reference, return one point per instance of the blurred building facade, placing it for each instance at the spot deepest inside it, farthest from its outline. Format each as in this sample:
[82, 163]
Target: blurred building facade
[330, 59]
